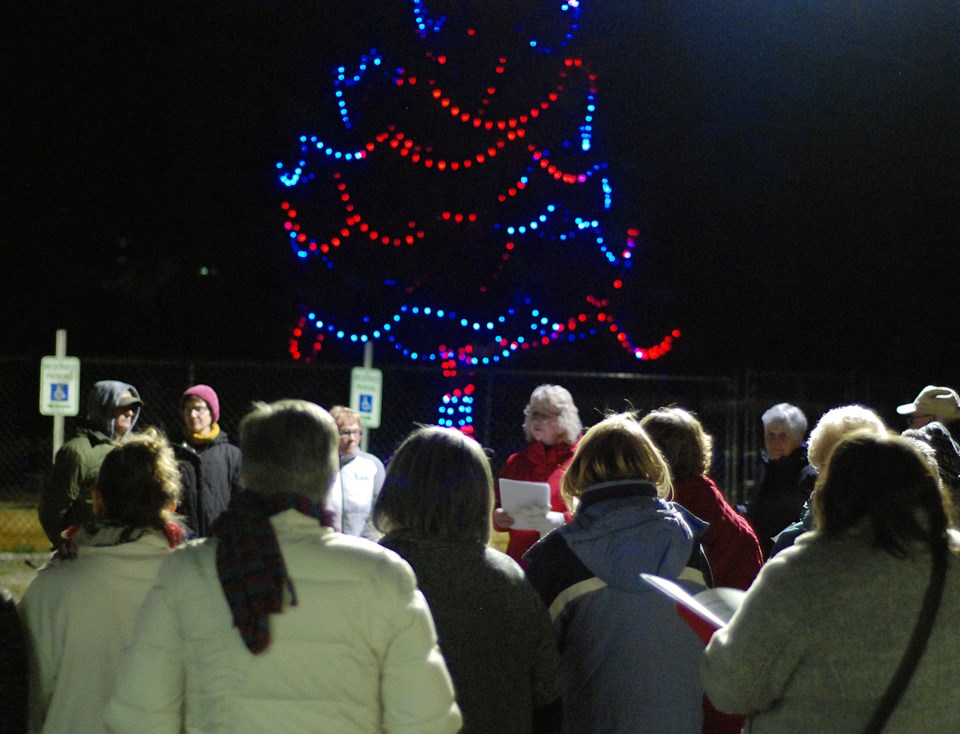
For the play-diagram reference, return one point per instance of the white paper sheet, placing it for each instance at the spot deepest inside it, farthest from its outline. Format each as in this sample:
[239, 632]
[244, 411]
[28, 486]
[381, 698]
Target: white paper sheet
[517, 496]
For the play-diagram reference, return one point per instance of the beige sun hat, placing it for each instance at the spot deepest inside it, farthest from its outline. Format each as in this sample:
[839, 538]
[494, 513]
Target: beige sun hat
[940, 402]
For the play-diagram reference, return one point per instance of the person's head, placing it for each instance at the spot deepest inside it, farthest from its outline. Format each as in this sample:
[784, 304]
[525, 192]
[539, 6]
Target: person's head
[615, 448]
[883, 480]
[349, 428]
[834, 425]
[681, 439]
[113, 408]
[931, 404]
[289, 446]
[784, 427]
[551, 416]
[199, 409]
[139, 482]
[438, 485]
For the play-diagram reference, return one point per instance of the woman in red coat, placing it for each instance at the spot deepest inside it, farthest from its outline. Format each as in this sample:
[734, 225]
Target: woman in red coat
[552, 426]
[730, 544]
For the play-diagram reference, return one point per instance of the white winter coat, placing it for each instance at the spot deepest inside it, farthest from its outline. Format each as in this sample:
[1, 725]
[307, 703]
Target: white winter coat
[79, 615]
[358, 654]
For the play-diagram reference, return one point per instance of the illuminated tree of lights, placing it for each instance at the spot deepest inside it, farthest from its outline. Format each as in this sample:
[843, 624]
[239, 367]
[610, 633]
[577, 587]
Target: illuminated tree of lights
[473, 212]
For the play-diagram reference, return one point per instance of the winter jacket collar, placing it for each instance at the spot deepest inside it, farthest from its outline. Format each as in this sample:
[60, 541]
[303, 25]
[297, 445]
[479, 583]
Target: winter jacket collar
[622, 529]
[548, 455]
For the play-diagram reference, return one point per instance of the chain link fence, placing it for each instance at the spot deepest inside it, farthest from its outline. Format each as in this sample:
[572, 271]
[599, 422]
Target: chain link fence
[729, 406]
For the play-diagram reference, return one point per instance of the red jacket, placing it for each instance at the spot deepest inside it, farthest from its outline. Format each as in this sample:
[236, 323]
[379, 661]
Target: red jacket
[536, 463]
[730, 544]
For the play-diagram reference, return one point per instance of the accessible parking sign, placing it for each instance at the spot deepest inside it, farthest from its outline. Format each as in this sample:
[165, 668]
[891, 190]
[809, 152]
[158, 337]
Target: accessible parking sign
[59, 386]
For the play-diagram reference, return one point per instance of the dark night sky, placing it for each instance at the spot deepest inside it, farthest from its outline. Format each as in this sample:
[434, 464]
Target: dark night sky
[795, 167]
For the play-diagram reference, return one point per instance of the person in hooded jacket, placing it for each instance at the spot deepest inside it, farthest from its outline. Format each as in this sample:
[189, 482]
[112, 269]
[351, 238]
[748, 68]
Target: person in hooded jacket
[113, 409]
[628, 663]
[209, 463]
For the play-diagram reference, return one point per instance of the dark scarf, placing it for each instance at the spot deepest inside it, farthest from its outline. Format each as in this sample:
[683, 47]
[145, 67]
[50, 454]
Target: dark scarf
[249, 562]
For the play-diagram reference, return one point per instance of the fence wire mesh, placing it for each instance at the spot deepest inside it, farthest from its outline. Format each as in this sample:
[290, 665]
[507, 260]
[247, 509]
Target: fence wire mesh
[729, 407]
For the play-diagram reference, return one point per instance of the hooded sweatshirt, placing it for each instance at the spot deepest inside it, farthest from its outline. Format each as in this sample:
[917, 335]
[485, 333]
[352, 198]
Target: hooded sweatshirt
[628, 663]
[65, 499]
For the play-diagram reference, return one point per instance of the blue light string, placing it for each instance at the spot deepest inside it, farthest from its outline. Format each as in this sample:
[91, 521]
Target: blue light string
[343, 81]
[495, 351]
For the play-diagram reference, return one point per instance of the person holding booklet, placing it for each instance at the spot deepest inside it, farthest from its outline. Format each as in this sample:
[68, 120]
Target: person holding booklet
[853, 629]
[628, 663]
[552, 426]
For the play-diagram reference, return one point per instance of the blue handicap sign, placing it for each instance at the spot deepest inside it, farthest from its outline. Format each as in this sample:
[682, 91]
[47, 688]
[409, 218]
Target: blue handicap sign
[366, 403]
[59, 392]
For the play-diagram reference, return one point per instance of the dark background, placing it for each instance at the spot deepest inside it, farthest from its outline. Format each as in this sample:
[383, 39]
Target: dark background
[794, 167]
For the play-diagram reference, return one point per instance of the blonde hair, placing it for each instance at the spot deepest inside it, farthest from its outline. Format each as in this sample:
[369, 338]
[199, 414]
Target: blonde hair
[560, 400]
[347, 415]
[836, 424]
[616, 448]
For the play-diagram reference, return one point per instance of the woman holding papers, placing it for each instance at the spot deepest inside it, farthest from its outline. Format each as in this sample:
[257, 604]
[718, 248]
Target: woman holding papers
[820, 634]
[628, 663]
[552, 426]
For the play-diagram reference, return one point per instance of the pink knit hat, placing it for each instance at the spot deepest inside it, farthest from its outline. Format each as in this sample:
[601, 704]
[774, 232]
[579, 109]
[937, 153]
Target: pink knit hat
[205, 393]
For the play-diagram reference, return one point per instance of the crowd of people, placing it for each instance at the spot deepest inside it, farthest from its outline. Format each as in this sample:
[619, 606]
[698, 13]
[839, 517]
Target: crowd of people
[292, 583]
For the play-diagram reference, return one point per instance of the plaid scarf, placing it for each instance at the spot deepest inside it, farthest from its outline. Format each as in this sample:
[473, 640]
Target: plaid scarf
[249, 562]
[102, 532]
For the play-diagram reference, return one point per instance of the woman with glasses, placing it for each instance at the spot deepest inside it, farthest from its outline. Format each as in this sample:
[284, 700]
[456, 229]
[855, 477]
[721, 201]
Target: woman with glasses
[359, 480]
[552, 427]
[209, 462]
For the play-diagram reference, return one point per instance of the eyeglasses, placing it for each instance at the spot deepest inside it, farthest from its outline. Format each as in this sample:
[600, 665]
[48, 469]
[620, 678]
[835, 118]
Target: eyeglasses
[351, 432]
[538, 415]
[198, 409]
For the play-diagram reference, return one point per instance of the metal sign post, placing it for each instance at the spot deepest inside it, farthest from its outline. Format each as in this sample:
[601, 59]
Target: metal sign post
[59, 388]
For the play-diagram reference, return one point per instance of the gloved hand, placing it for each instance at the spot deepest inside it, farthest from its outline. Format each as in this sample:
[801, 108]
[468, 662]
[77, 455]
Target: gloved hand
[543, 523]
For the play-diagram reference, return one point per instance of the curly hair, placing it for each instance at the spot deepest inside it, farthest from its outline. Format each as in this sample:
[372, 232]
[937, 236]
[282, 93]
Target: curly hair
[139, 481]
[834, 425]
[555, 399]
[884, 479]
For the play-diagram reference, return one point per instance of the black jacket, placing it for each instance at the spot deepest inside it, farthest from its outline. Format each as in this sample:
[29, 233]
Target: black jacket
[778, 499]
[211, 474]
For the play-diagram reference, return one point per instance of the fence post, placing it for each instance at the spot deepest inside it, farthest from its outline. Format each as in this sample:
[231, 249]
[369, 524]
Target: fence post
[58, 420]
